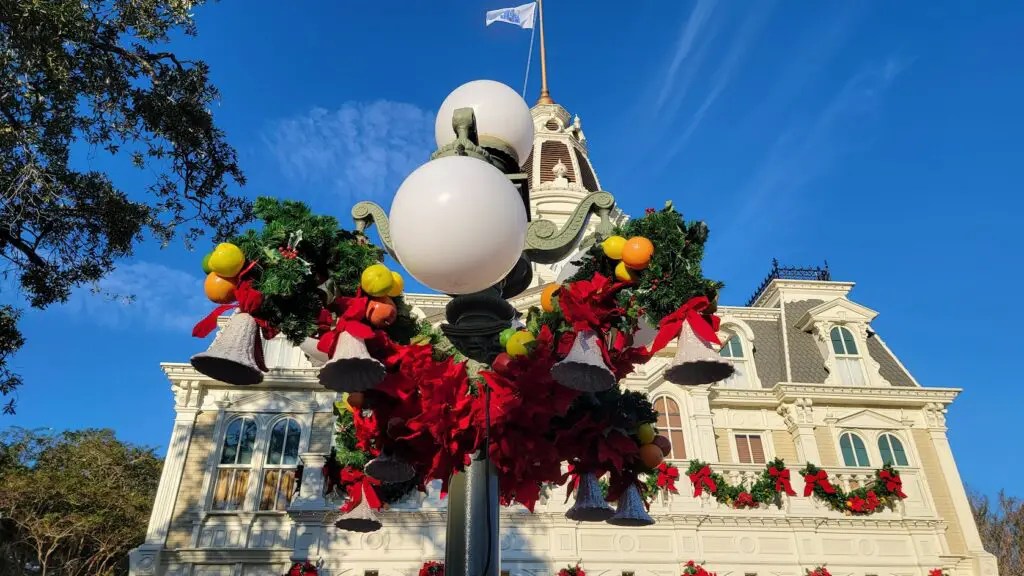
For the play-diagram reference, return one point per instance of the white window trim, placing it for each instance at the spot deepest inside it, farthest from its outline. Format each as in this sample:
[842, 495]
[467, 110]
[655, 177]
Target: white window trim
[870, 438]
[868, 365]
[766, 443]
[740, 329]
[684, 423]
[263, 467]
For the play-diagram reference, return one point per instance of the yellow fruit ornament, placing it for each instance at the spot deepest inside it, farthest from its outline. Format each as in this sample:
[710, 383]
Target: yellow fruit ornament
[645, 433]
[519, 344]
[226, 260]
[625, 273]
[612, 247]
[376, 280]
[397, 285]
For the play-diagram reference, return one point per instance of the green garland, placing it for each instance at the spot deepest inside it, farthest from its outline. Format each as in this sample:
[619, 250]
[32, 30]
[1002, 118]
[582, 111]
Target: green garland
[762, 491]
[345, 454]
[842, 501]
[674, 275]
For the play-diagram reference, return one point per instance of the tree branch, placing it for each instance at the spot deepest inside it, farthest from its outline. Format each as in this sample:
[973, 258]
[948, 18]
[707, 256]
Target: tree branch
[7, 237]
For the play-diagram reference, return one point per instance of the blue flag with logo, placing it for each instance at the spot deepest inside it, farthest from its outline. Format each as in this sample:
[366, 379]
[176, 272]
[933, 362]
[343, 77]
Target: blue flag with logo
[521, 16]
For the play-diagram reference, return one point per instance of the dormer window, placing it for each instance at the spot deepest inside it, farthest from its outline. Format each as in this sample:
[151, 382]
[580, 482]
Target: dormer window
[848, 359]
[733, 350]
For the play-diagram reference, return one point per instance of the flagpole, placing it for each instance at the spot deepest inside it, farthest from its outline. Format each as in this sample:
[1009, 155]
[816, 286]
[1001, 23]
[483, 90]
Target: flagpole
[545, 96]
[529, 59]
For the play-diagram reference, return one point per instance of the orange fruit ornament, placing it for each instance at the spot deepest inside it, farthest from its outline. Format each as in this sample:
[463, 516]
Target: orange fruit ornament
[637, 252]
[547, 295]
[219, 290]
[651, 455]
[381, 312]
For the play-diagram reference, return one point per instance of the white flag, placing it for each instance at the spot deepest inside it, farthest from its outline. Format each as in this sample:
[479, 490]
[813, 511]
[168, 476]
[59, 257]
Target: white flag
[521, 16]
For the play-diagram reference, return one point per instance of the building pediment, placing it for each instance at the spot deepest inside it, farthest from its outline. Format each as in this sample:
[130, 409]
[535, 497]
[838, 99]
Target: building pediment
[268, 402]
[869, 419]
[839, 311]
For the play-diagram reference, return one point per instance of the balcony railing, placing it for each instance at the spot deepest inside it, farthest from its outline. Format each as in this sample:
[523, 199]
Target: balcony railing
[790, 273]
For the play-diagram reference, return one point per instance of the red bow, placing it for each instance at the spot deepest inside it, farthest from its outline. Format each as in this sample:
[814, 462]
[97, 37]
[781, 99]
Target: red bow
[359, 485]
[702, 478]
[782, 480]
[744, 500]
[302, 569]
[667, 476]
[350, 320]
[821, 479]
[893, 483]
[247, 299]
[936, 572]
[704, 326]
[573, 475]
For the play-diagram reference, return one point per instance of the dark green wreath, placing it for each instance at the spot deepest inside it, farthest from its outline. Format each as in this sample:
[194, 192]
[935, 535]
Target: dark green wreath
[344, 453]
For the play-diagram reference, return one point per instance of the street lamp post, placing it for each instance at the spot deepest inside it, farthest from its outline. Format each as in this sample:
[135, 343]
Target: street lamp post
[488, 126]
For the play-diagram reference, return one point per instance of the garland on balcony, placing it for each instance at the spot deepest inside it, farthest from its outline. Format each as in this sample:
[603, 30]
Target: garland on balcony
[305, 568]
[663, 478]
[937, 572]
[571, 570]
[766, 490]
[819, 571]
[694, 569]
[432, 568]
[883, 492]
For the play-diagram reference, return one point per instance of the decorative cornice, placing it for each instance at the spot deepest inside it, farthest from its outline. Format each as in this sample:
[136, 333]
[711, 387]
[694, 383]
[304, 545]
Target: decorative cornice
[744, 313]
[179, 372]
[771, 295]
[893, 396]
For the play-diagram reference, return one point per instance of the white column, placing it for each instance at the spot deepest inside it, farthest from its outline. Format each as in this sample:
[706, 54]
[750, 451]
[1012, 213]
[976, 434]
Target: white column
[705, 447]
[311, 491]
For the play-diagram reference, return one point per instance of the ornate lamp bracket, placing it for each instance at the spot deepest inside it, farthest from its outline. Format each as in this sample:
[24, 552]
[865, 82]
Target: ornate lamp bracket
[546, 244]
[367, 214]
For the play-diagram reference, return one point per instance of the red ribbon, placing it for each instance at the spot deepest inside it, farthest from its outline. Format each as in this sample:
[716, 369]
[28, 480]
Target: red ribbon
[893, 483]
[350, 320]
[782, 480]
[247, 299]
[702, 478]
[667, 476]
[573, 474]
[821, 479]
[704, 325]
[744, 500]
[359, 485]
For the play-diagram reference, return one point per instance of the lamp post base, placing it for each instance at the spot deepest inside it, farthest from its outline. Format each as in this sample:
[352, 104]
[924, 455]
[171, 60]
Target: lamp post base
[473, 546]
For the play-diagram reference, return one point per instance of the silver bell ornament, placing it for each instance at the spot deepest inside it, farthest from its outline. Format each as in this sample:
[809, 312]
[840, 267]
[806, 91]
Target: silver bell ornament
[389, 469]
[590, 505]
[359, 519]
[696, 362]
[316, 357]
[351, 368]
[584, 368]
[236, 354]
[630, 509]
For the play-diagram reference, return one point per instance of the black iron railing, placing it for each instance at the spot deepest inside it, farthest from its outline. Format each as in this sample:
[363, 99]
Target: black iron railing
[790, 273]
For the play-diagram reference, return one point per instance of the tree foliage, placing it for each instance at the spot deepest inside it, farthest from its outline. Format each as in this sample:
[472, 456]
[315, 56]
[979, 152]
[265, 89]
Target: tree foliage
[1001, 525]
[92, 76]
[72, 503]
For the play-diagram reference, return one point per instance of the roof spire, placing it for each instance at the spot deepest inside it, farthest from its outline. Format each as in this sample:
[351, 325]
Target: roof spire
[545, 96]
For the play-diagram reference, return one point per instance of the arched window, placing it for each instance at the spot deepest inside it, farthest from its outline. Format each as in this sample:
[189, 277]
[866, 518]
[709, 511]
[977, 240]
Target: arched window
[235, 465]
[854, 453]
[733, 350]
[891, 449]
[279, 467]
[848, 360]
[670, 425]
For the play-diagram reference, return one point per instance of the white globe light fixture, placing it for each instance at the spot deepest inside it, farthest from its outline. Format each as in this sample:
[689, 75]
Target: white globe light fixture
[458, 225]
[501, 114]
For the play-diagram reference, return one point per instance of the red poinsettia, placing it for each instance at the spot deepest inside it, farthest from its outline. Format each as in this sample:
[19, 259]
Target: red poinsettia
[303, 569]
[694, 569]
[819, 571]
[432, 568]
[936, 572]
[744, 500]
[576, 570]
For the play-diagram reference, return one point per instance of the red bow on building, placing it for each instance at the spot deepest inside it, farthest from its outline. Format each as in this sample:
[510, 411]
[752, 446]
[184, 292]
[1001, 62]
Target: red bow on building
[782, 480]
[893, 482]
[350, 320]
[819, 478]
[248, 300]
[667, 476]
[704, 326]
[303, 569]
[702, 478]
[359, 485]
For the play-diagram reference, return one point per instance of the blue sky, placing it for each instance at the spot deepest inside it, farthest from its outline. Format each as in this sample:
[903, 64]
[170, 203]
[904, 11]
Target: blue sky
[883, 137]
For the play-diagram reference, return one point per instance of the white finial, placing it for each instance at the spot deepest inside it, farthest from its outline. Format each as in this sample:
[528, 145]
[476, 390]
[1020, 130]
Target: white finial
[559, 170]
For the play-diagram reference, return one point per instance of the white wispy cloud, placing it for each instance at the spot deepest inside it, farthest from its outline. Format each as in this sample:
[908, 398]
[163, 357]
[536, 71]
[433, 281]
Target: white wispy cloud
[691, 34]
[362, 149]
[143, 295]
[801, 154]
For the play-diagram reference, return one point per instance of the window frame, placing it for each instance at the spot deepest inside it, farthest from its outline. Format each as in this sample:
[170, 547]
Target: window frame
[281, 467]
[766, 446]
[844, 360]
[667, 431]
[853, 449]
[889, 436]
[235, 467]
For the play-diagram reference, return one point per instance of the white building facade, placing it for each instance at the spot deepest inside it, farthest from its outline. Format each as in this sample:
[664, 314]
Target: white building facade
[814, 384]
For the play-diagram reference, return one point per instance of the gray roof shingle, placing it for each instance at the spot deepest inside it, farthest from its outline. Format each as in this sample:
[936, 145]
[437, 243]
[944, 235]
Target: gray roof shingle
[769, 360]
[887, 365]
[805, 361]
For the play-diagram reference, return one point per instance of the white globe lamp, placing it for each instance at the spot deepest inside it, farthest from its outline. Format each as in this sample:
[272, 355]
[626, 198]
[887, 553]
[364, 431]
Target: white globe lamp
[458, 225]
[500, 114]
